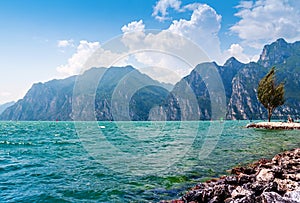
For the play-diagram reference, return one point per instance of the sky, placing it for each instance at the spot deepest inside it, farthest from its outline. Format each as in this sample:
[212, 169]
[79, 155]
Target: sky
[43, 40]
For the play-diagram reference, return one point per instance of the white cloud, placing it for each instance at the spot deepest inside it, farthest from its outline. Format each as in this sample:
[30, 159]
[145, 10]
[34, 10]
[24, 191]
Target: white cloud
[135, 26]
[160, 9]
[78, 59]
[65, 43]
[245, 5]
[237, 51]
[91, 54]
[255, 58]
[165, 49]
[191, 7]
[202, 28]
[267, 20]
[133, 34]
[154, 51]
[176, 50]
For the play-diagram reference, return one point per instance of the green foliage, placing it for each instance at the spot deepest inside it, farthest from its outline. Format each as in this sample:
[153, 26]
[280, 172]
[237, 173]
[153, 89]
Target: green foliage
[144, 100]
[269, 93]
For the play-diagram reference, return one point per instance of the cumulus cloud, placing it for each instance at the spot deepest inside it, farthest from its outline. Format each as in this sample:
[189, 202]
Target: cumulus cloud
[84, 50]
[134, 26]
[133, 34]
[160, 10]
[91, 54]
[202, 28]
[265, 21]
[160, 50]
[191, 7]
[237, 51]
[177, 49]
[194, 39]
[245, 5]
[65, 43]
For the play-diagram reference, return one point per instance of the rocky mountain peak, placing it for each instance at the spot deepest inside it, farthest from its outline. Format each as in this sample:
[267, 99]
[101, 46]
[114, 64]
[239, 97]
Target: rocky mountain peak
[54, 99]
[232, 62]
[275, 53]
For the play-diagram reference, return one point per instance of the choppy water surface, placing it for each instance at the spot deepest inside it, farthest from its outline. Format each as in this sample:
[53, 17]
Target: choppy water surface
[123, 162]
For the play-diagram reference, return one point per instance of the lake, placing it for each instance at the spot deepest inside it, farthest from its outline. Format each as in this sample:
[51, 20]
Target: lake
[124, 161]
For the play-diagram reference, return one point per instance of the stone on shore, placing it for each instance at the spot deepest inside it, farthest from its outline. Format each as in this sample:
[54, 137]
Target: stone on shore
[265, 181]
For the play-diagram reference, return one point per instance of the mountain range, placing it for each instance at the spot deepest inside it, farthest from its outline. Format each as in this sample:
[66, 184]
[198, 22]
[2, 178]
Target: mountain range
[6, 105]
[124, 93]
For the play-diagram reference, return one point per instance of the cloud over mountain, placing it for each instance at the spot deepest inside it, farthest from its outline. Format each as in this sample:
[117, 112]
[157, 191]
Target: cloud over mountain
[264, 21]
[76, 62]
[261, 22]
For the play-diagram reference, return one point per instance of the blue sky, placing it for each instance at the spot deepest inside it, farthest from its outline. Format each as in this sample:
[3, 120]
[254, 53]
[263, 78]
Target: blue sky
[42, 40]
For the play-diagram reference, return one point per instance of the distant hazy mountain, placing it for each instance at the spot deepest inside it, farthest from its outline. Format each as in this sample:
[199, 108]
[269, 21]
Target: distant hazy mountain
[44, 101]
[123, 93]
[6, 105]
[53, 100]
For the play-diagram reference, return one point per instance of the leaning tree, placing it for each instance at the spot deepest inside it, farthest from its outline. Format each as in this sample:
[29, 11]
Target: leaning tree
[270, 94]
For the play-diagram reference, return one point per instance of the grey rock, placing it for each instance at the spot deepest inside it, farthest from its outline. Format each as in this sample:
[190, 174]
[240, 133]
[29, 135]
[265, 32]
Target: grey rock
[260, 186]
[241, 192]
[273, 197]
[265, 175]
[293, 195]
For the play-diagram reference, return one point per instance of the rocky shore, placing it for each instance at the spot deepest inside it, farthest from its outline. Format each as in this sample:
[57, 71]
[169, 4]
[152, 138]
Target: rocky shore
[266, 181]
[275, 125]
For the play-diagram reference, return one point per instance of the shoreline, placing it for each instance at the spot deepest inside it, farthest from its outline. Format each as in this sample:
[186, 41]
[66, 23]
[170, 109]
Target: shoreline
[265, 181]
[275, 125]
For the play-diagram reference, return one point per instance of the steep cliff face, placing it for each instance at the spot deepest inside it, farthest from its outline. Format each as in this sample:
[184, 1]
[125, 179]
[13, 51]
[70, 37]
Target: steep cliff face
[199, 88]
[230, 69]
[241, 81]
[286, 58]
[243, 102]
[48, 101]
[123, 93]
[276, 53]
[127, 94]
[95, 93]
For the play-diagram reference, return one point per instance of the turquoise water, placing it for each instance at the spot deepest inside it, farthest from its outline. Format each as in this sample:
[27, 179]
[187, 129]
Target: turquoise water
[124, 161]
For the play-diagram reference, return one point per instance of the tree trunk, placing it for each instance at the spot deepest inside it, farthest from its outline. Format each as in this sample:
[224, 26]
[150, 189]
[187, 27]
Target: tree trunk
[270, 111]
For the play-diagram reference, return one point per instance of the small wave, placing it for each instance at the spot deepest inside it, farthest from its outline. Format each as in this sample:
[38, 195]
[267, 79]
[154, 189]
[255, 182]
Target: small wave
[5, 142]
[66, 142]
